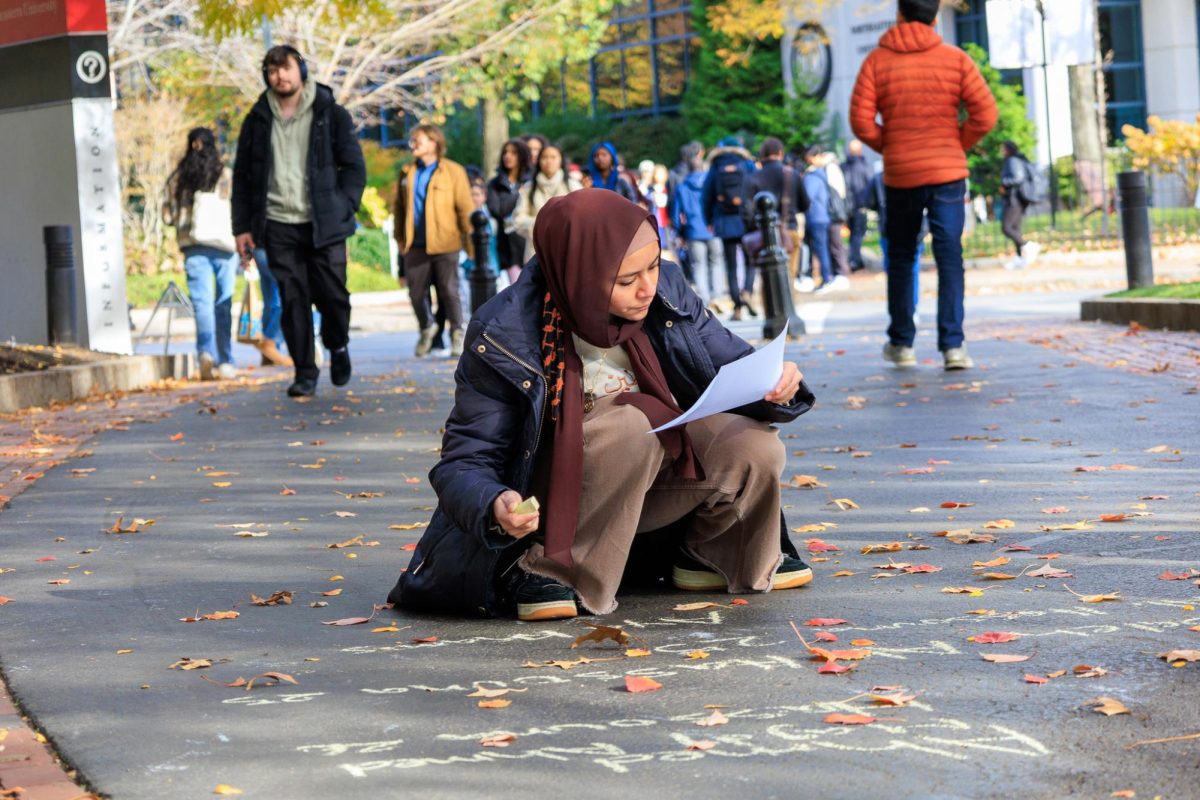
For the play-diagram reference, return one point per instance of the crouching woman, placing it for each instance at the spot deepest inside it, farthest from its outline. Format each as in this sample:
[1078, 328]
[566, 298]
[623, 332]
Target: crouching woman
[564, 375]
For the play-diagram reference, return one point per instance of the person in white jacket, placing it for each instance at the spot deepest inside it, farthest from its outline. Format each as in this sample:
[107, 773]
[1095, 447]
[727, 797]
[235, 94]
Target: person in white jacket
[549, 180]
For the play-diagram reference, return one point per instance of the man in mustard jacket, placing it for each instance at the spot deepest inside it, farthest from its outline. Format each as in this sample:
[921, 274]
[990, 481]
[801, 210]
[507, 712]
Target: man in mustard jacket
[433, 211]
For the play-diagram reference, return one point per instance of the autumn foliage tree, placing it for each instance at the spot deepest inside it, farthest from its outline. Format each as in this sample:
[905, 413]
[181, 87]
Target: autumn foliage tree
[1168, 146]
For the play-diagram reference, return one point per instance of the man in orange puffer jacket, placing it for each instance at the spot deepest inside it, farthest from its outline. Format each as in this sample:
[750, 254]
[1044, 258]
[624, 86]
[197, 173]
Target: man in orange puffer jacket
[916, 84]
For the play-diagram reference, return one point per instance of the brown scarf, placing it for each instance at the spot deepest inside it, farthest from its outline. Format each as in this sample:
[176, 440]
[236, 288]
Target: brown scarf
[581, 240]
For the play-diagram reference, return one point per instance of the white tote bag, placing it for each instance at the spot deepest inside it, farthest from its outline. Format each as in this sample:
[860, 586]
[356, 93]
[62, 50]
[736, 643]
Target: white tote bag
[212, 221]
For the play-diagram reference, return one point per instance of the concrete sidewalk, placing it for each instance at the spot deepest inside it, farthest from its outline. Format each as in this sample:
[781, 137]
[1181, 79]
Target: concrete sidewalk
[254, 494]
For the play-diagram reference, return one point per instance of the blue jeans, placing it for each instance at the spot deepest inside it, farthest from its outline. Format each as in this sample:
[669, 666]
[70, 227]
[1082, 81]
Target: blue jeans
[272, 305]
[214, 311]
[916, 267]
[905, 209]
[816, 236]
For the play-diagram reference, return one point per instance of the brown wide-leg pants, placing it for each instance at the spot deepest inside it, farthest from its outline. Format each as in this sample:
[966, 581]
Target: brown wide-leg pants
[629, 488]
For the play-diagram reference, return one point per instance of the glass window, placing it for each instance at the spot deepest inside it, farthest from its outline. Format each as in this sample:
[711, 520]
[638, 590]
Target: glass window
[607, 82]
[636, 31]
[672, 72]
[639, 78]
[970, 24]
[1124, 72]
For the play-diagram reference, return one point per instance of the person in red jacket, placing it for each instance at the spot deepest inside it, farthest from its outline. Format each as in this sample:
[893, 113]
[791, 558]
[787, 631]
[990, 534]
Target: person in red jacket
[906, 105]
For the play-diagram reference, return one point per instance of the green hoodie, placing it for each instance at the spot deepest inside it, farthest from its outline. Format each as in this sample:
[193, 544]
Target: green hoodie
[287, 186]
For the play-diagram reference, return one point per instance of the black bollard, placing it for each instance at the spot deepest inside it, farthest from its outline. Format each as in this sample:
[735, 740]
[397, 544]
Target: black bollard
[60, 284]
[483, 279]
[778, 310]
[1135, 228]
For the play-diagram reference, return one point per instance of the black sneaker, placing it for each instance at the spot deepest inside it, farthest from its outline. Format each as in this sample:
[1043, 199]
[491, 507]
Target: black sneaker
[339, 367]
[792, 573]
[692, 576]
[541, 598]
[303, 387]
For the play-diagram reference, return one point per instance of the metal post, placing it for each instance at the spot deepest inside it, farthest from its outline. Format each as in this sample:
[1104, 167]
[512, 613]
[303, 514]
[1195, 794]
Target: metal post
[778, 311]
[483, 279]
[1135, 228]
[1049, 142]
[61, 323]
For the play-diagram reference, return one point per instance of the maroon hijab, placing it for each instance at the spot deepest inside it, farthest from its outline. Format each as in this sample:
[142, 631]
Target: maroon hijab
[581, 239]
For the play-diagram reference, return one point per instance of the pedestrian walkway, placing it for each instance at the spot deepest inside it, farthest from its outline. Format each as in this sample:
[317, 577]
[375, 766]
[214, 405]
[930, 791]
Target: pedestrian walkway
[248, 539]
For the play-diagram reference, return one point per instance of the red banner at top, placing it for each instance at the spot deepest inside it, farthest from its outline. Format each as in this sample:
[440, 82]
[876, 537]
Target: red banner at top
[30, 20]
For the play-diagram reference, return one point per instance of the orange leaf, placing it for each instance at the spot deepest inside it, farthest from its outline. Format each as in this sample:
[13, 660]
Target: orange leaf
[952, 504]
[995, 562]
[221, 615]
[834, 668]
[849, 719]
[825, 636]
[499, 740]
[4, 600]
[823, 622]
[1113, 517]
[993, 637]
[845, 573]
[737, 601]
[862, 642]
[997, 576]
[425, 640]
[1002, 658]
[819, 546]
[1038, 679]
[495, 703]
[636, 684]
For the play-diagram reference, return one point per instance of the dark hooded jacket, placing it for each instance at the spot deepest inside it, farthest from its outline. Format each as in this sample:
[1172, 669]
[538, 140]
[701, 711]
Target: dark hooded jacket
[858, 174]
[336, 172]
[495, 432]
[729, 169]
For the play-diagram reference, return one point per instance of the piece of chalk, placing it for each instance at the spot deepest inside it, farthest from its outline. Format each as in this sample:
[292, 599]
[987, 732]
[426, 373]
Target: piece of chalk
[529, 505]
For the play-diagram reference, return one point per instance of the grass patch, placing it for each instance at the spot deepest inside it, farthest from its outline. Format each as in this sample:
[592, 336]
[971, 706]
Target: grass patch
[1178, 291]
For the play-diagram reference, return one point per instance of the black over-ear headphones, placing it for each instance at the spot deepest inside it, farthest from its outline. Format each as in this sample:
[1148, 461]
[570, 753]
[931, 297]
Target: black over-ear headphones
[293, 52]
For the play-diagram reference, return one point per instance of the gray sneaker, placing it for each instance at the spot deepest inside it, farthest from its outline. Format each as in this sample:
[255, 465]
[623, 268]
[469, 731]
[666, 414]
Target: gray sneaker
[900, 355]
[957, 358]
[207, 367]
[425, 342]
[456, 343]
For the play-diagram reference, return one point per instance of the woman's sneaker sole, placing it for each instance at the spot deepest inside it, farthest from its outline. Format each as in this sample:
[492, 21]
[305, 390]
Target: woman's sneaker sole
[792, 580]
[697, 580]
[550, 609]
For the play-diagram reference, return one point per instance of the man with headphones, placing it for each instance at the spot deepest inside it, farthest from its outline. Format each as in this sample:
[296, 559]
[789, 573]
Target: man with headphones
[297, 184]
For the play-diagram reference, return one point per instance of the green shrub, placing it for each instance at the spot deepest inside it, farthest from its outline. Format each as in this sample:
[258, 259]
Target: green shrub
[369, 247]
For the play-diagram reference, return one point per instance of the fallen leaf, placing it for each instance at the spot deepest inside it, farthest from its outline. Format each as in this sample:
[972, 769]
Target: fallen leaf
[481, 691]
[1048, 571]
[890, 547]
[355, 542]
[1180, 655]
[702, 745]
[1113, 517]
[223, 788]
[1002, 658]
[217, 615]
[1058, 673]
[966, 536]
[714, 719]
[1017, 548]
[1094, 468]
[1107, 706]
[277, 598]
[1082, 525]
[897, 699]
[348, 621]
[824, 622]
[845, 573]
[997, 576]
[1124, 793]
[921, 568]
[498, 740]
[696, 606]
[136, 526]
[331, 593]
[1178, 576]
[952, 504]
[806, 482]
[848, 719]
[843, 503]
[976, 591]
[424, 639]
[917, 471]
[636, 684]
[818, 546]
[1000, 524]
[386, 629]
[993, 637]
[834, 668]
[862, 642]
[4, 600]
[919, 510]
[825, 636]
[737, 601]
[1088, 671]
[186, 663]
[344, 514]
[1055, 510]
[495, 703]
[636, 652]
[600, 634]
[817, 527]
[411, 527]
[696, 655]
[59, 582]
[1038, 679]
[995, 562]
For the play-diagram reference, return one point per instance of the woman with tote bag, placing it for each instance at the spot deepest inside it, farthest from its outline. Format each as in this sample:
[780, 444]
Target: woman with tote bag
[198, 208]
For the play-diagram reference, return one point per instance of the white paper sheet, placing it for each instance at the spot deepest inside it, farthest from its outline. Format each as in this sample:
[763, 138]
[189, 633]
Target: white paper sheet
[737, 383]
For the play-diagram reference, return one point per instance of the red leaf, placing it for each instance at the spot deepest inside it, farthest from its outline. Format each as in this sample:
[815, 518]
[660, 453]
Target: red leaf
[922, 568]
[834, 668]
[48, 558]
[636, 683]
[952, 504]
[1177, 576]
[425, 640]
[410, 546]
[917, 471]
[1038, 679]
[824, 622]
[737, 601]
[994, 637]
[819, 546]
[849, 719]
[825, 636]
[4, 600]
[1017, 548]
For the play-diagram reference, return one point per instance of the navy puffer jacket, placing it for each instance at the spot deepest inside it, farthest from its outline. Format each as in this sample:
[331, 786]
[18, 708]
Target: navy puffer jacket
[495, 431]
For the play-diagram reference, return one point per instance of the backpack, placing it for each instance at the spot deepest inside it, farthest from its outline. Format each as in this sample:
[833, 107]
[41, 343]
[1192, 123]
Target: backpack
[730, 187]
[839, 211]
[1027, 188]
